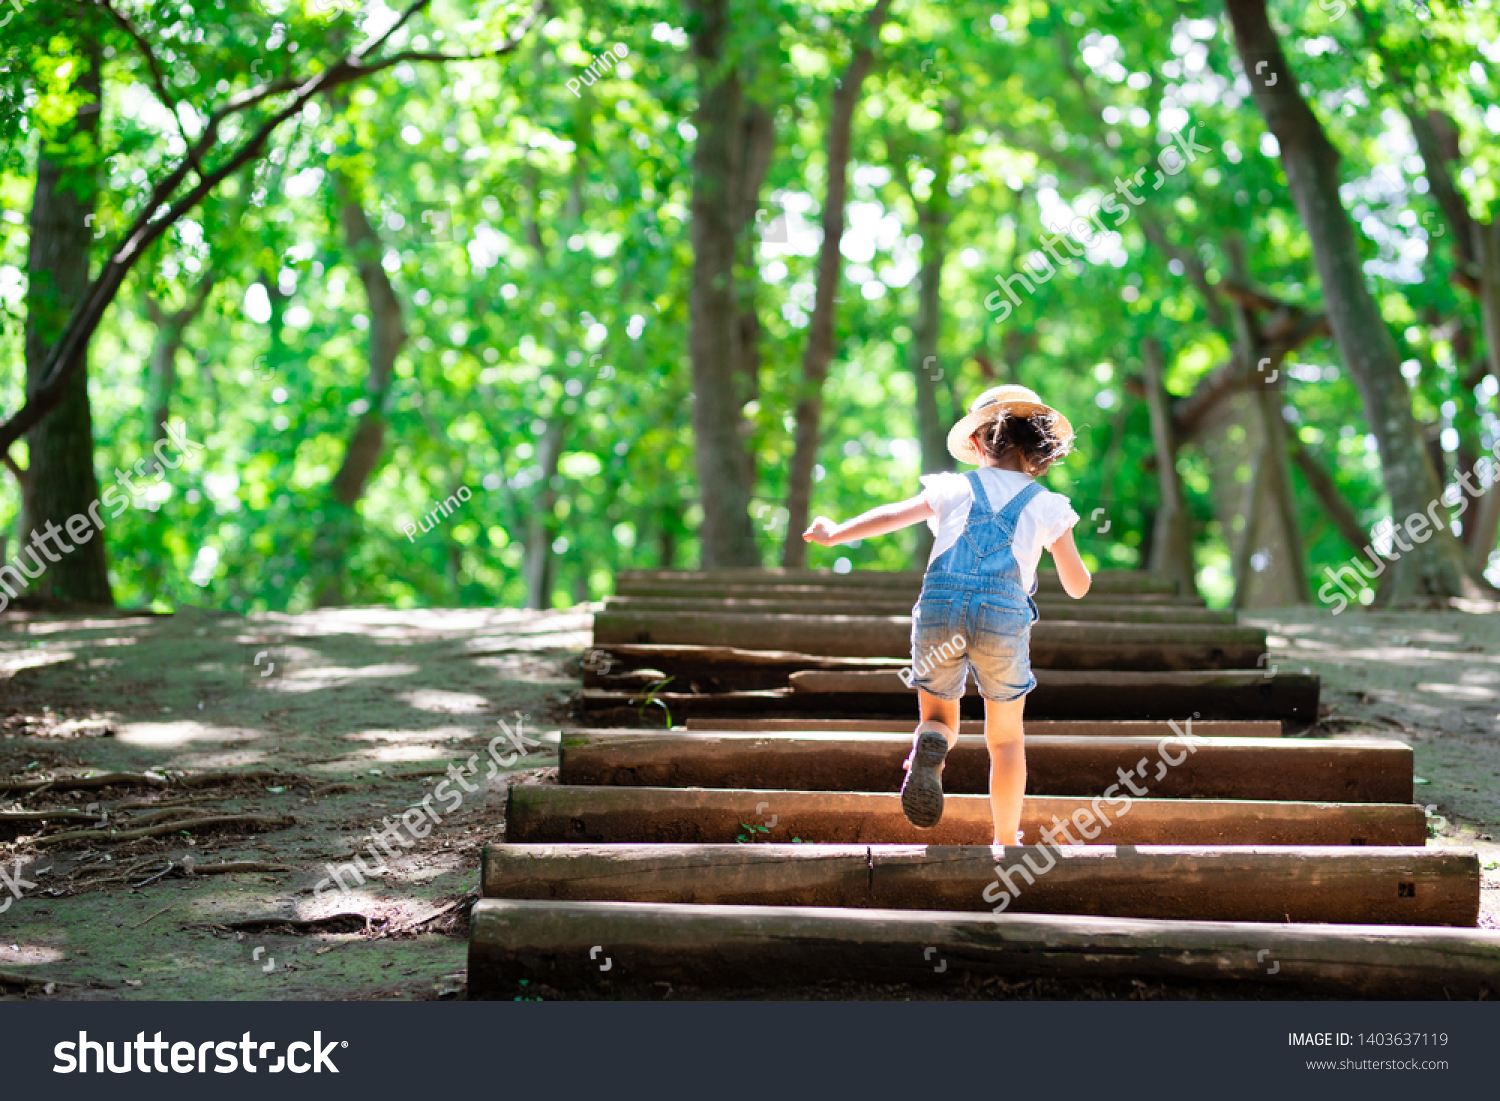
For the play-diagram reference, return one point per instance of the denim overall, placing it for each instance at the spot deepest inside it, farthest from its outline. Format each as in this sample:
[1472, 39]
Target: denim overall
[973, 611]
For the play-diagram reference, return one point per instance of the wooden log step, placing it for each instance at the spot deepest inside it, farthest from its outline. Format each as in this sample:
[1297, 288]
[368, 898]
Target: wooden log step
[729, 669]
[859, 682]
[1077, 728]
[546, 813]
[714, 590]
[1104, 581]
[1387, 886]
[714, 668]
[565, 944]
[863, 605]
[1132, 646]
[1289, 769]
[1291, 698]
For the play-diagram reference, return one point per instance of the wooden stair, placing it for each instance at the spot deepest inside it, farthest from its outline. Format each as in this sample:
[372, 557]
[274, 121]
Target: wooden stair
[763, 848]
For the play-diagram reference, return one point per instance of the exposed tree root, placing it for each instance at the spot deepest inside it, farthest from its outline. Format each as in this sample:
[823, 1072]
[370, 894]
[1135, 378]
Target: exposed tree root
[82, 783]
[234, 867]
[140, 779]
[41, 817]
[333, 923]
[266, 821]
[16, 978]
[333, 789]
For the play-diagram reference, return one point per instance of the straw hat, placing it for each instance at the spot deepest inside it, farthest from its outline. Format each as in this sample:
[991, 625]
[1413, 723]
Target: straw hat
[990, 404]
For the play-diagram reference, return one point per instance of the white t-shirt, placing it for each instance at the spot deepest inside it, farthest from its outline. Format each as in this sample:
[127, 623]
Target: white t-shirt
[1046, 518]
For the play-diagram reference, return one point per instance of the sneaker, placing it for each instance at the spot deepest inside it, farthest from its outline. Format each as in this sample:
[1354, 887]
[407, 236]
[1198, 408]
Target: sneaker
[922, 791]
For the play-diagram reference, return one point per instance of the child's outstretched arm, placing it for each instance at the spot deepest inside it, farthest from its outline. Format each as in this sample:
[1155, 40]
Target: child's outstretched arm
[878, 521]
[1071, 571]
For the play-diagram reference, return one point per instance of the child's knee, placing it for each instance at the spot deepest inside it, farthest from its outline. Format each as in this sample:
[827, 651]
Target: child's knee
[1005, 749]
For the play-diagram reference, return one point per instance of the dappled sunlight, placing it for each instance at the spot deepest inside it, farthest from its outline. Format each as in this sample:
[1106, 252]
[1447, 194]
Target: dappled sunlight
[419, 751]
[159, 735]
[435, 735]
[72, 626]
[312, 680]
[17, 953]
[1459, 691]
[13, 661]
[448, 703]
[522, 666]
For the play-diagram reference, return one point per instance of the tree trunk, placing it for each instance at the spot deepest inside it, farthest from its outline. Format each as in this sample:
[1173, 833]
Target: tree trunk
[60, 473]
[1430, 128]
[387, 336]
[666, 542]
[161, 368]
[1279, 484]
[1476, 254]
[1255, 511]
[1486, 517]
[161, 377]
[161, 382]
[820, 335]
[1172, 540]
[541, 525]
[933, 218]
[1276, 477]
[727, 535]
[341, 526]
[758, 142]
[1335, 505]
[1436, 568]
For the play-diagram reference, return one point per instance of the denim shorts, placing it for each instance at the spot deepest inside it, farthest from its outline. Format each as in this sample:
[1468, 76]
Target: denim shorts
[953, 632]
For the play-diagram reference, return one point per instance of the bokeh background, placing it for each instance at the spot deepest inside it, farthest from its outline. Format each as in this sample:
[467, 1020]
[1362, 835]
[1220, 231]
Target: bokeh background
[481, 265]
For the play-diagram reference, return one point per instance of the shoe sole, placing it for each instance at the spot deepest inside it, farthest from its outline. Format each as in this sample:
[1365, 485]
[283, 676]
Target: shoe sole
[922, 792]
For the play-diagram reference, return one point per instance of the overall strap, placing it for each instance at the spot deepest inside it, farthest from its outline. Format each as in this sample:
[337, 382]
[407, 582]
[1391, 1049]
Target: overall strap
[1013, 508]
[981, 506]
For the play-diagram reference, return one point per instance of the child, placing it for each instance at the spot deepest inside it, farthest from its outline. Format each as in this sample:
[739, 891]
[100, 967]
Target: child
[976, 611]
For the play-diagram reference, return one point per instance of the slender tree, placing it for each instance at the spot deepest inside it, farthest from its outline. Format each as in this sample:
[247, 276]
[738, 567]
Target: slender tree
[1434, 568]
[715, 337]
[821, 341]
[60, 476]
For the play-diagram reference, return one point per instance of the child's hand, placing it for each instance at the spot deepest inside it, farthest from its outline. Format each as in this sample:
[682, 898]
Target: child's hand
[820, 531]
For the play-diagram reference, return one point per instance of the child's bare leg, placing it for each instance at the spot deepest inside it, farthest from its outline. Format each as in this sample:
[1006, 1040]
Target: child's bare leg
[1003, 736]
[940, 711]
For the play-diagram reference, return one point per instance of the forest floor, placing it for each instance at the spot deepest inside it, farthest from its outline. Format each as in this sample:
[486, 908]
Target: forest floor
[349, 717]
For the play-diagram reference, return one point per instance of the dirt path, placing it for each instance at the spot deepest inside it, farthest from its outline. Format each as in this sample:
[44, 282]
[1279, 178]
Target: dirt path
[356, 715]
[357, 711]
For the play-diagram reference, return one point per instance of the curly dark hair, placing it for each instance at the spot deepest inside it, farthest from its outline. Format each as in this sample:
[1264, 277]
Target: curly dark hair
[1032, 438]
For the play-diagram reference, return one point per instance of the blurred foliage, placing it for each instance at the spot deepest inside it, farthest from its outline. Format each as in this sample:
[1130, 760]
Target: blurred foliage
[534, 227]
